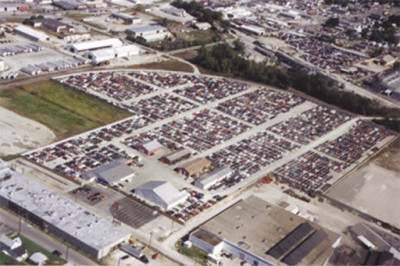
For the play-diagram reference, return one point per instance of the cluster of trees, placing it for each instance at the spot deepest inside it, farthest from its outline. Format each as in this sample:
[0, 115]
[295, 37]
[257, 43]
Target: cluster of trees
[225, 60]
[29, 21]
[331, 22]
[385, 31]
[202, 13]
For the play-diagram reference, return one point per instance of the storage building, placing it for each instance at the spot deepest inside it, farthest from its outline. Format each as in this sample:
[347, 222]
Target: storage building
[193, 167]
[126, 18]
[54, 25]
[202, 25]
[31, 33]
[110, 174]
[162, 194]
[261, 234]
[80, 227]
[176, 156]
[99, 56]
[149, 147]
[149, 33]
[214, 177]
[94, 45]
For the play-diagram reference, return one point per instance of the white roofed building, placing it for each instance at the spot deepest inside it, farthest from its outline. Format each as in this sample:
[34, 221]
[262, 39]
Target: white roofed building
[94, 45]
[162, 194]
[214, 177]
[103, 55]
[31, 33]
[87, 231]
[38, 258]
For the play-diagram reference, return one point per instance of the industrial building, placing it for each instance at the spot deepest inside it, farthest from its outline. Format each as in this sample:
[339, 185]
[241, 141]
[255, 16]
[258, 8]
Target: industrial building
[31, 33]
[53, 25]
[149, 147]
[110, 174]
[149, 33]
[128, 19]
[202, 25]
[176, 156]
[94, 45]
[99, 56]
[262, 234]
[162, 194]
[194, 167]
[214, 177]
[85, 230]
[11, 7]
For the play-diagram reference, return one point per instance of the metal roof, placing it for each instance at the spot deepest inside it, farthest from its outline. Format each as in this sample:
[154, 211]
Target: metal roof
[151, 145]
[66, 215]
[96, 44]
[111, 172]
[145, 29]
[161, 193]
[213, 177]
[31, 32]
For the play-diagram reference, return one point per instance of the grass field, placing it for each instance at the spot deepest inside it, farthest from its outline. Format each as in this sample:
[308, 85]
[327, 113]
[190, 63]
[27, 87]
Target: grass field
[172, 65]
[7, 260]
[62, 109]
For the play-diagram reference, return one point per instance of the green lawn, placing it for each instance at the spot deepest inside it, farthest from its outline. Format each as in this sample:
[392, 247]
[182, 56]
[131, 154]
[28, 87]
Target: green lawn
[64, 110]
[193, 252]
[7, 260]
[32, 247]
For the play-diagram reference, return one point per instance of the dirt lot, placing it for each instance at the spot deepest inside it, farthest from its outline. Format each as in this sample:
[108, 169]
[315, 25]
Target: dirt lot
[374, 188]
[19, 134]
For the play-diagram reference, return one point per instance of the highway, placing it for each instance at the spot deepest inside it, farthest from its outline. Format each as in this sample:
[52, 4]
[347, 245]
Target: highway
[11, 224]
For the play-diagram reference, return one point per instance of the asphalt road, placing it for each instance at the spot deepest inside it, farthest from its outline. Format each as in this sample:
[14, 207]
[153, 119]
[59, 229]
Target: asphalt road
[11, 224]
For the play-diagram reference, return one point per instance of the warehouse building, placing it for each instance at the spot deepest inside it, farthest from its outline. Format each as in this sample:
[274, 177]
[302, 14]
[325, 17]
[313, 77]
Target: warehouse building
[99, 56]
[128, 19]
[202, 25]
[162, 194]
[11, 7]
[94, 45]
[194, 167]
[149, 147]
[110, 174]
[150, 33]
[261, 234]
[85, 230]
[176, 156]
[53, 25]
[213, 178]
[31, 33]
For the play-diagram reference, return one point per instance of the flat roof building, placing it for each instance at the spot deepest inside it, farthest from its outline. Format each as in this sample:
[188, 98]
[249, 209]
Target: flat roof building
[149, 33]
[262, 234]
[176, 156]
[31, 33]
[53, 25]
[162, 194]
[202, 25]
[214, 177]
[194, 167]
[94, 45]
[87, 231]
[110, 174]
[102, 55]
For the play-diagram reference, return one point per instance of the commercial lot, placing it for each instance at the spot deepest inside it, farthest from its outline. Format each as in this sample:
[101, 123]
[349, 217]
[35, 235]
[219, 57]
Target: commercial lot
[45, 60]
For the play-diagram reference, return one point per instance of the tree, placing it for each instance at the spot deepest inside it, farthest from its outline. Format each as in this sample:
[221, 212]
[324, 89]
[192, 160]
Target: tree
[239, 46]
[331, 22]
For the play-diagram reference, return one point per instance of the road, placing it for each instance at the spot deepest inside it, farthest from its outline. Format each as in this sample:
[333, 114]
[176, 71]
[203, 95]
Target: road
[11, 223]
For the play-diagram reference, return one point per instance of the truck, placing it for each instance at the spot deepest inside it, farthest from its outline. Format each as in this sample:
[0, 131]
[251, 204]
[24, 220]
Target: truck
[134, 252]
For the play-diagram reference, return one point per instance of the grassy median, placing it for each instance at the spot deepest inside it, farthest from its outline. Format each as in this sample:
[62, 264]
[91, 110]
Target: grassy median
[64, 110]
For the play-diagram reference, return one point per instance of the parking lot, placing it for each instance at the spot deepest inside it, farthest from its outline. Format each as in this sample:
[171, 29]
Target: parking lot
[89, 194]
[251, 129]
[132, 212]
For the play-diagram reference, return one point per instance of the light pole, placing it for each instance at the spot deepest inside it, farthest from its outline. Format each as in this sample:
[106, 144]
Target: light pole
[151, 236]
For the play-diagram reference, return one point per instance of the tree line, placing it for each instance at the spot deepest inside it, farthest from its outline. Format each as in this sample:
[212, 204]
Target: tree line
[225, 60]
